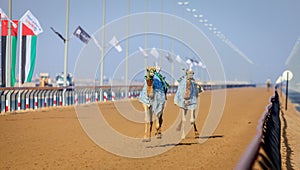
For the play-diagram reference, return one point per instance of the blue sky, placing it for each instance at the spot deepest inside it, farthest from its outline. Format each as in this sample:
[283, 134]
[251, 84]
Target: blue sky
[265, 31]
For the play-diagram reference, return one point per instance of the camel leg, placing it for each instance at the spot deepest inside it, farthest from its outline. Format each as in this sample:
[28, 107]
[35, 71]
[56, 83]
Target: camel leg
[148, 131]
[193, 123]
[183, 120]
[179, 126]
[158, 124]
[148, 123]
[196, 131]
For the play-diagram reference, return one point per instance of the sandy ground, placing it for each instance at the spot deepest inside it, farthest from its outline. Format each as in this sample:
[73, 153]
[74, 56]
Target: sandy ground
[54, 139]
[290, 138]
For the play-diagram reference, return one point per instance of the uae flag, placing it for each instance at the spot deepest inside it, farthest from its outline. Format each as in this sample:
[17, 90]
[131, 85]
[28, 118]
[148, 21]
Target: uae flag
[28, 54]
[4, 51]
[30, 29]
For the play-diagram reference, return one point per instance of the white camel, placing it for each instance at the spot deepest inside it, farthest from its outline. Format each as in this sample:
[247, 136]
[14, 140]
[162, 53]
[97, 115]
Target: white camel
[186, 98]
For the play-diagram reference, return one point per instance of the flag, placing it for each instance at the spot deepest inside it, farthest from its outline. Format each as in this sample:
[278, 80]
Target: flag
[143, 51]
[188, 61]
[28, 54]
[114, 42]
[97, 44]
[59, 35]
[178, 59]
[31, 22]
[4, 51]
[30, 29]
[154, 52]
[3, 15]
[196, 63]
[191, 66]
[169, 58]
[82, 35]
[200, 64]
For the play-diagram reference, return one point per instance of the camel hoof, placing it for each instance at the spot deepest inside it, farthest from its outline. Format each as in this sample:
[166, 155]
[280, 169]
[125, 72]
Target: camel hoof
[158, 135]
[196, 134]
[146, 140]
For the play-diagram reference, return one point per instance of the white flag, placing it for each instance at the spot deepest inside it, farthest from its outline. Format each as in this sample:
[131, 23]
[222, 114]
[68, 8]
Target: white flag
[169, 58]
[114, 42]
[178, 59]
[31, 22]
[154, 52]
[3, 15]
[191, 66]
[188, 61]
[96, 42]
[200, 64]
[143, 51]
[197, 63]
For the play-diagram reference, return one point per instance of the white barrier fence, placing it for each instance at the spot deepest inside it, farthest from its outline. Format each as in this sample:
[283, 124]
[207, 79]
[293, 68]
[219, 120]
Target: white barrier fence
[25, 98]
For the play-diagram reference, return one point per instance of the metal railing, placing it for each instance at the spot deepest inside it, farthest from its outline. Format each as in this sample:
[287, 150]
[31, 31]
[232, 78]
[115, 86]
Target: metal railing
[27, 98]
[264, 150]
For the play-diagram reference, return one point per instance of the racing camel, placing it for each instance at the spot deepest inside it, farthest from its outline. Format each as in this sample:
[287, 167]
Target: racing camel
[153, 98]
[186, 98]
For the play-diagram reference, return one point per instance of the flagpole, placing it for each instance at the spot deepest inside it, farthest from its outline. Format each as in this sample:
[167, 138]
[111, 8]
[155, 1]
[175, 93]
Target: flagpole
[146, 35]
[1, 49]
[103, 40]
[20, 50]
[66, 50]
[127, 50]
[103, 47]
[66, 44]
[8, 66]
[173, 63]
[173, 58]
[161, 29]
[8, 61]
[20, 57]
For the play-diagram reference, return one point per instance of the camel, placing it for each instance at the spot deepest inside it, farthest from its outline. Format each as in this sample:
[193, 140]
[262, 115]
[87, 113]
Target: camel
[186, 99]
[153, 100]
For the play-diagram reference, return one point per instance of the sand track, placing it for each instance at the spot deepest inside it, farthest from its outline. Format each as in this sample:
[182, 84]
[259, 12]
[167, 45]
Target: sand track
[54, 139]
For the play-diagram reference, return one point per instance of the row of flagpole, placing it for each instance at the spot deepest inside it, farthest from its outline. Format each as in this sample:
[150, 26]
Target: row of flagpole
[211, 27]
[114, 41]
